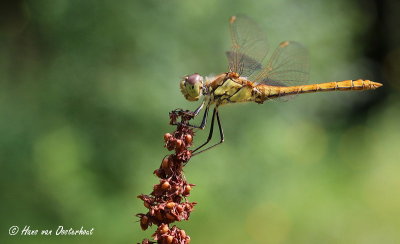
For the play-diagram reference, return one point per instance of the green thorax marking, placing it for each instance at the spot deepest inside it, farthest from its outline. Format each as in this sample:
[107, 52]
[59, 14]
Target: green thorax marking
[231, 92]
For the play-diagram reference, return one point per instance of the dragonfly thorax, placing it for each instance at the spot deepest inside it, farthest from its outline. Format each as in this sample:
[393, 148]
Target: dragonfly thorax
[192, 87]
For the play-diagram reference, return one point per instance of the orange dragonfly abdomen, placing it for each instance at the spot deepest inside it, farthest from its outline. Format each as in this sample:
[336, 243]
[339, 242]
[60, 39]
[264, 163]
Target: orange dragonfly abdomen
[268, 92]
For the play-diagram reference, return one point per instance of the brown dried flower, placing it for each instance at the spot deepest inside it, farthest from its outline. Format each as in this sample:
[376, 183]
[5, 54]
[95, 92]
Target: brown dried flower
[167, 202]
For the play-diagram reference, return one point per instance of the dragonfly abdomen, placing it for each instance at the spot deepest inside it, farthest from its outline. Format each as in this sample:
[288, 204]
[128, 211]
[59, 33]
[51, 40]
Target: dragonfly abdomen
[269, 92]
[342, 86]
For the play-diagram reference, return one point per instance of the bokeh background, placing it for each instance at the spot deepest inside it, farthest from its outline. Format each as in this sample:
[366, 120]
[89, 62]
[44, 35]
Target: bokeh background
[85, 91]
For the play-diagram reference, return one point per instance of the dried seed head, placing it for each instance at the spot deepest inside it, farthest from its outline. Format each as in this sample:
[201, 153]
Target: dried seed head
[183, 234]
[170, 205]
[165, 163]
[144, 222]
[188, 188]
[170, 144]
[163, 229]
[188, 138]
[167, 203]
[165, 185]
[144, 219]
[179, 208]
[146, 204]
[169, 239]
[167, 136]
[158, 172]
[179, 144]
[170, 216]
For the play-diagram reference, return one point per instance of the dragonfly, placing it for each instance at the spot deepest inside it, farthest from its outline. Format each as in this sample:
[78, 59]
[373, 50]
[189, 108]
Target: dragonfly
[283, 75]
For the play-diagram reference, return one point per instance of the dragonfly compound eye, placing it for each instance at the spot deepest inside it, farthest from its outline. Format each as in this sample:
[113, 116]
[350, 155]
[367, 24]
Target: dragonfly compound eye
[191, 87]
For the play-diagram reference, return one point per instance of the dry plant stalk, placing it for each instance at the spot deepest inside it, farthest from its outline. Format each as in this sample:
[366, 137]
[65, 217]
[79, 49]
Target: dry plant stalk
[167, 202]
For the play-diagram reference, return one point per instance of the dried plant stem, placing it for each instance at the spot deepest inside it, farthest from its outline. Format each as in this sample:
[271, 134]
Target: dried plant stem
[167, 202]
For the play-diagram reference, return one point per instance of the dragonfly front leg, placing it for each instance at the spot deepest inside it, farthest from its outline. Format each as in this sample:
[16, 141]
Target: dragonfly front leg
[205, 116]
[210, 134]
[197, 111]
[191, 114]
[221, 134]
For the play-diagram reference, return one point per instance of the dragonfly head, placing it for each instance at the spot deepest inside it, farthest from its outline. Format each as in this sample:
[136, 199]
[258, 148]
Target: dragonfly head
[192, 87]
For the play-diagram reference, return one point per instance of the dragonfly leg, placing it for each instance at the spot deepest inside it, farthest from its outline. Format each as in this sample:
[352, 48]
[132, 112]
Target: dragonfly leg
[221, 133]
[197, 111]
[194, 114]
[204, 120]
[209, 134]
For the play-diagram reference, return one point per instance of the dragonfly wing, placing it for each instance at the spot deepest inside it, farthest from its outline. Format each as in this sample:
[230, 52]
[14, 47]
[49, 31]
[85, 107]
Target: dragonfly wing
[247, 63]
[273, 82]
[287, 66]
[249, 46]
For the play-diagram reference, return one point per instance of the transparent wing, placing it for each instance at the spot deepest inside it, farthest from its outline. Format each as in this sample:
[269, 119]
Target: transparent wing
[242, 64]
[288, 65]
[249, 46]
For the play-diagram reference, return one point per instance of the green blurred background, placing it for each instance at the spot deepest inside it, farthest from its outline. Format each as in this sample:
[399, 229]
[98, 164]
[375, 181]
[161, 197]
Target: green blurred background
[85, 91]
